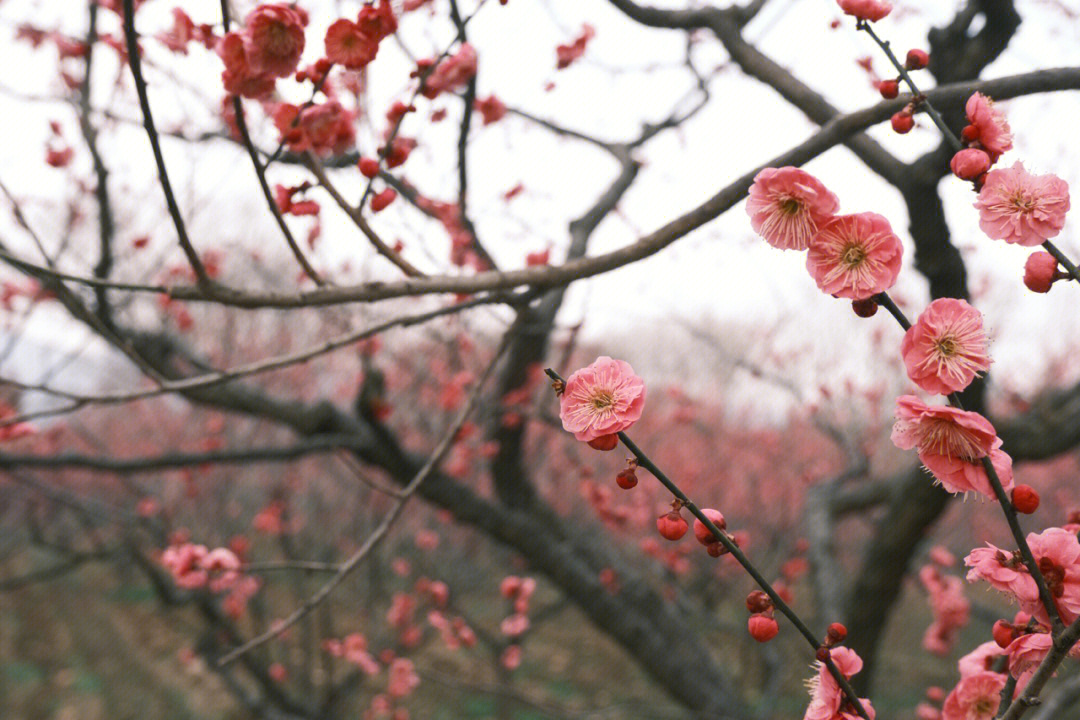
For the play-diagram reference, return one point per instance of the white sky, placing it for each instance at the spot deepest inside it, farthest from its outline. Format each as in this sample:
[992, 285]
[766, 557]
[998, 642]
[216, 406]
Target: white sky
[720, 274]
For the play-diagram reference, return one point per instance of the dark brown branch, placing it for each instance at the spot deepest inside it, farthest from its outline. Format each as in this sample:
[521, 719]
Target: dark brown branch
[241, 456]
[833, 132]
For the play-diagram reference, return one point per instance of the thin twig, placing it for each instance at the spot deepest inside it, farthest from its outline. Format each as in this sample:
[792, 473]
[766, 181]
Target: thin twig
[135, 62]
[741, 558]
[275, 363]
[383, 528]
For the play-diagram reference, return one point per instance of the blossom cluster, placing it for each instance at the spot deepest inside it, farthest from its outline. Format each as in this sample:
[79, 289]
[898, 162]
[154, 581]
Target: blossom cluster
[858, 257]
[220, 571]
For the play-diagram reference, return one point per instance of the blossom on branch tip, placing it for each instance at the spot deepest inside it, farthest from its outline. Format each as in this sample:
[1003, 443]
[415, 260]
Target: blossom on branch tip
[787, 206]
[602, 399]
[869, 10]
[991, 129]
[274, 39]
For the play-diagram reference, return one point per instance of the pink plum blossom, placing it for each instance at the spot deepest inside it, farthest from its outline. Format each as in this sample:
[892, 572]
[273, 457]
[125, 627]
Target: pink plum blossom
[951, 443]
[1021, 208]
[980, 660]
[975, 697]
[787, 205]
[827, 700]
[946, 347]
[991, 129]
[872, 10]
[855, 256]
[274, 39]
[1004, 571]
[602, 399]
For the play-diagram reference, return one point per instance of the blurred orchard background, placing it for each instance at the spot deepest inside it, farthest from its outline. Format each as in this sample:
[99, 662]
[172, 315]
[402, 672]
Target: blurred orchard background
[256, 410]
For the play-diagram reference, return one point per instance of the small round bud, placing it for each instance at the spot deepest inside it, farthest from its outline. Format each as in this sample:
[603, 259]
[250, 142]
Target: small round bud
[604, 442]
[762, 628]
[1003, 633]
[917, 59]
[889, 89]
[702, 533]
[757, 601]
[968, 164]
[671, 526]
[1040, 272]
[1025, 499]
[902, 122]
[382, 200]
[626, 479]
[836, 633]
[970, 133]
[369, 167]
[323, 65]
[822, 654]
[864, 308]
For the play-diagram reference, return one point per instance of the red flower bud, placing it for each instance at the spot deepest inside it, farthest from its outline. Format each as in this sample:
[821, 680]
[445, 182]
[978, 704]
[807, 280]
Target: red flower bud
[1025, 499]
[369, 167]
[969, 164]
[889, 89]
[917, 59]
[671, 525]
[902, 122]
[702, 533]
[864, 308]
[382, 200]
[1003, 633]
[604, 442]
[836, 633]
[1040, 272]
[762, 628]
[626, 479]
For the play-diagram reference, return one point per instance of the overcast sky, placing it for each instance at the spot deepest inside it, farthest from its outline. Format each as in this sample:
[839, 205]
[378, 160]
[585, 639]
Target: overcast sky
[721, 274]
